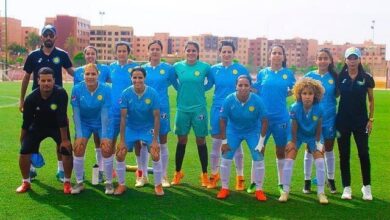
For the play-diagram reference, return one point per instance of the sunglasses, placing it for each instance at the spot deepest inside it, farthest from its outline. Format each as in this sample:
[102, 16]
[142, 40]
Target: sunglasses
[51, 35]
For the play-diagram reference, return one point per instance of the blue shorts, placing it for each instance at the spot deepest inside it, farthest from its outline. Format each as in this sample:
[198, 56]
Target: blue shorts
[234, 142]
[214, 120]
[328, 132]
[132, 136]
[310, 141]
[88, 129]
[165, 122]
[279, 131]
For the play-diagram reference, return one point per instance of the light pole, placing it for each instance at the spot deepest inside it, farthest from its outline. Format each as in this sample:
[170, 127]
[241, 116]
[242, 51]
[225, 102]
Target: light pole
[373, 30]
[101, 13]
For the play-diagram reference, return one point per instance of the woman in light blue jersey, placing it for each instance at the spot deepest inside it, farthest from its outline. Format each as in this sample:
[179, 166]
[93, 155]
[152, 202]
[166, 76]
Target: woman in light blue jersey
[327, 75]
[306, 125]
[160, 76]
[224, 76]
[274, 85]
[91, 101]
[191, 109]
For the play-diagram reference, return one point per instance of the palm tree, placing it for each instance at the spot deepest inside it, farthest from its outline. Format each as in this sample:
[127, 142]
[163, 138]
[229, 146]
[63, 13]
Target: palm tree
[71, 45]
[33, 41]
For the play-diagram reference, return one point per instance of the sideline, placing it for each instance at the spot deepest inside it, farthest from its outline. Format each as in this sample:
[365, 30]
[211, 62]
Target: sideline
[9, 105]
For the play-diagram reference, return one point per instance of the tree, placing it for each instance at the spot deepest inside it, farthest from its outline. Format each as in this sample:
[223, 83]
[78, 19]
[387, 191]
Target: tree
[33, 41]
[16, 49]
[78, 59]
[71, 45]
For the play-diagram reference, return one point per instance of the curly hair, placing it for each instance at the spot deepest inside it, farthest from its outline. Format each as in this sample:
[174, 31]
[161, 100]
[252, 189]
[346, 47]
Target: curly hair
[313, 84]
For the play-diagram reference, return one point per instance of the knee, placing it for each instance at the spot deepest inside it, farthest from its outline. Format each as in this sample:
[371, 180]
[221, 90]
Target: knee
[121, 154]
[182, 139]
[79, 149]
[200, 141]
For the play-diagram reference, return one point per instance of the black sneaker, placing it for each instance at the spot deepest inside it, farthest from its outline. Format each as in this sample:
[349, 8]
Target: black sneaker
[307, 187]
[332, 186]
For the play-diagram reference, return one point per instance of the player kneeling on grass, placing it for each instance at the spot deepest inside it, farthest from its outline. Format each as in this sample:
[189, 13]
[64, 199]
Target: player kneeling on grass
[306, 123]
[91, 101]
[140, 121]
[240, 116]
[45, 116]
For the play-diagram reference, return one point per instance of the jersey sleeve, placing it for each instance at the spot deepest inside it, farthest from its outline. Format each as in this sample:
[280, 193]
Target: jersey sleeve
[370, 81]
[75, 97]
[293, 111]
[224, 113]
[124, 99]
[173, 77]
[104, 73]
[107, 96]
[262, 109]
[67, 63]
[78, 75]
[156, 102]
[28, 65]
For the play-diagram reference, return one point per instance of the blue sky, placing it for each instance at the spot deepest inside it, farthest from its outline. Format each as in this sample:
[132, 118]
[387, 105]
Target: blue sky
[339, 21]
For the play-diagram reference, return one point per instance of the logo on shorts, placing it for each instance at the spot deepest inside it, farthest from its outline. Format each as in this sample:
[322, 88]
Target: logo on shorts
[53, 107]
[330, 81]
[148, 101]
[201, 117]
[251, 108]
[129, 70]
[74, 98]
[100, 97]
[151, 131]
[56, 60]
[162, 72]
[164, 115]
[197, 73]
[235, 71]
[315, 118]
[284, 76]
[120, 101]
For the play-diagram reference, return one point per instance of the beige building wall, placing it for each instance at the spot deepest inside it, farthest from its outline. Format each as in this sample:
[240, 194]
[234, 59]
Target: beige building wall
[14, 32]
[258, 53]
[25, 32]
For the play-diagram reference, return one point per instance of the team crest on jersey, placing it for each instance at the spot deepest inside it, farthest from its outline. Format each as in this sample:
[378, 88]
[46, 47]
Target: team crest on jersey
[197, 73]
[100, 97]
[201, 117]
[53, 106]
[251, 108]
[284, 76]
[361, 83]
[162, 72]
[235, 71]
[330, 81]
[148, 101]
[129, 70]
[56, 60]
[315, 118]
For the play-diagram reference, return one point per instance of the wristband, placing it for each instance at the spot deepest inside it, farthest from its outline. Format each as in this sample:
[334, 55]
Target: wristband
[224, 141]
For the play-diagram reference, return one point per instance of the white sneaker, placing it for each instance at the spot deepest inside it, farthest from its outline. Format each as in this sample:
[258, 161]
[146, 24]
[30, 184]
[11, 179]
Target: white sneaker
[165, 183]
[347, 193]
[141, 181]
[366, 190]
[76, 189]
[283, 196]
[322, 198]
[109, 189]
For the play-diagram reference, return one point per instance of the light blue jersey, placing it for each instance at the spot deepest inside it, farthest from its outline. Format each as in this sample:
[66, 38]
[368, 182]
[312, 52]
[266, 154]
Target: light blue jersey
[140, 108]
[243, 117]
[104, 74]
[273, 87]
[91, 108]
[120, 77]
[328, 101]
[307, 121]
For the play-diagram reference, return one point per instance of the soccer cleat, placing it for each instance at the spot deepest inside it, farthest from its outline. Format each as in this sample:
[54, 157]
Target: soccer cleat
[283, 196]
[251, 189]
[140, 182]
[307, 188]
[260, 195]
[366, 190]
[60, 175]
[347, 193]
[240, 186]
[76, 189]
[67, 188]
[165, 183]
[158, 190]
[323, 199]
[332, 186]
[204, 179]
[177, 177]
[223, 193]
[33, 174]
[24, 187]
[214, 178]
[120, 189]
[101, 175]
[109, 189]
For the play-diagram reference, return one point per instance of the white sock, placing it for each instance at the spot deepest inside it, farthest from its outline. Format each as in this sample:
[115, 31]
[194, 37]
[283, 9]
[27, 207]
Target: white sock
[330, 164]
[287, 173]
[139, 163]
[157, 172]
[239, 161]
[320, 173]
[258, 167]
[60, 166]
[215, 155]
[280, 165]
[307, 165]
[164, 158]
[78, 166]
[121, 171]
[225, 172]
[27, 180]
[99, 160]
[144, 160]
[66, 179]
[108, 167]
